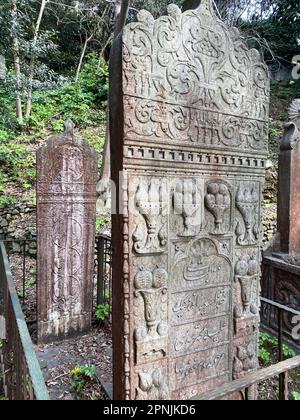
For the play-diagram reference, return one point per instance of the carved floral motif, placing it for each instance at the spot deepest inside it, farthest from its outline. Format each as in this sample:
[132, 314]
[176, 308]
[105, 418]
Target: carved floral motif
[218, 202]
[152, 386]
[191, 58]
[151, 335]
[246, 274]
[245, 360]
[247, 202]
[187, 203]
[194, 106]
[151, 201]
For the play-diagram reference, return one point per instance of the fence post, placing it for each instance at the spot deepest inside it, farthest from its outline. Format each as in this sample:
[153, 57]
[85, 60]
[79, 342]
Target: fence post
[101, 271]
[283, 377]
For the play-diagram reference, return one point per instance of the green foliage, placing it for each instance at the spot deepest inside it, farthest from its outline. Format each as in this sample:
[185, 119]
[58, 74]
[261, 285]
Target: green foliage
[103, 311]
[80, 102]
[288, 90]
[7, 201]
[296, 396]
[277, 31]
[94, 79]
[21, 294]
[30, 282]
[80, 376]
[288, 353]
[264, 356]
[17, 163]
[95, 136]
[84, 102]
[268, 346]
[101, 221]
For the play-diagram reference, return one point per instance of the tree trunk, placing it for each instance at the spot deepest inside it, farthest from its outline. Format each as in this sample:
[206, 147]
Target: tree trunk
[87, 40]
[32, 57]
[16, 53]
[121, 12]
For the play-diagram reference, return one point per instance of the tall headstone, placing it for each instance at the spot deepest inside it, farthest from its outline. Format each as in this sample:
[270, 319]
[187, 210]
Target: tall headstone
[66, 213]
[289, 184]
[189, 127]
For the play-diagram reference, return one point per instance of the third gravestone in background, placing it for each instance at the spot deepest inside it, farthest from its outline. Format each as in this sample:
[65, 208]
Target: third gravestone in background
[189, 124]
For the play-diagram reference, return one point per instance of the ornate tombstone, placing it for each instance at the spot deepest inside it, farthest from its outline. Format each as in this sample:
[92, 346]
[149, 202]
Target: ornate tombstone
[281, 263]
[289, 191]
[189, 126]
[66, 213]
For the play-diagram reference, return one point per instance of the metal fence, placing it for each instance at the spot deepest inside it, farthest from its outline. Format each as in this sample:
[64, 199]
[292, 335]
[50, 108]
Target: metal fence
[104, 270]
[20, 372]
[26, 280]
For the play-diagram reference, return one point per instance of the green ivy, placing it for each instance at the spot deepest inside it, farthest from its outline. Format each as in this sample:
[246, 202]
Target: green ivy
[80, 376]
[103, 311]
[268, 344]
[296, 396]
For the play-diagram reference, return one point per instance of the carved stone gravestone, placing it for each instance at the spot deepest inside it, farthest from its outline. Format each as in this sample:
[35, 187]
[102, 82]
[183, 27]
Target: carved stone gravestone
[66, 213]
[189, 126]
[289, 184]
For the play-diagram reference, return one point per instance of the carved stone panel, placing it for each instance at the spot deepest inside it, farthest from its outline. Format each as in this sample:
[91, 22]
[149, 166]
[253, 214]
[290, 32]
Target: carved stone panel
[66, 197]
[189, 126]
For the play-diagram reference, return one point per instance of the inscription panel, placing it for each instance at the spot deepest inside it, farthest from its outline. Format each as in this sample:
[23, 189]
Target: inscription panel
[199, 335]
[199, 367]
[196, 304]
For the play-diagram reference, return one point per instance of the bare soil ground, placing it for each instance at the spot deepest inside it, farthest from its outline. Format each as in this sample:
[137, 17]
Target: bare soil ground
[58, 361]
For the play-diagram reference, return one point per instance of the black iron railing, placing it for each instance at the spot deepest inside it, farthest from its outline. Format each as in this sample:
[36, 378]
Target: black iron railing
[21, 376]
[104, 270]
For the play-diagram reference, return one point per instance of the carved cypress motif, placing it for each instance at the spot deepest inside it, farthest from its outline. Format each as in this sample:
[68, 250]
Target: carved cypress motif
[189, 124]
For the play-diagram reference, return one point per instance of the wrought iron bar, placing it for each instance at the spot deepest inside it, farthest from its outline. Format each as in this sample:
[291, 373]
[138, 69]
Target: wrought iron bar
[23, 379]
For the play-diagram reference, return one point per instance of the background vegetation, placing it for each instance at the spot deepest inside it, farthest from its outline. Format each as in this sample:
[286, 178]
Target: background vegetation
[57, 53]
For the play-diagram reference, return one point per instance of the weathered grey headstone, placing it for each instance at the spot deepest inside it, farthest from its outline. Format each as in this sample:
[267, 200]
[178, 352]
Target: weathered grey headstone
[189, 128]
[66, 212]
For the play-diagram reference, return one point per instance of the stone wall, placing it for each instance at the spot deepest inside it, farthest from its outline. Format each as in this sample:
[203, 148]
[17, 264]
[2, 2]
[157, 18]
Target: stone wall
[18, 222]
[269, 222]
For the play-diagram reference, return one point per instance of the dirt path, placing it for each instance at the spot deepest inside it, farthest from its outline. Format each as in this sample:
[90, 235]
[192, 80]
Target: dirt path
[58, 361]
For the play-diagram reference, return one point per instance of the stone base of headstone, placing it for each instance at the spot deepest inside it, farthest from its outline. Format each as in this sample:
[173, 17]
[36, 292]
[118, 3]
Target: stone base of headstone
[64, 328]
